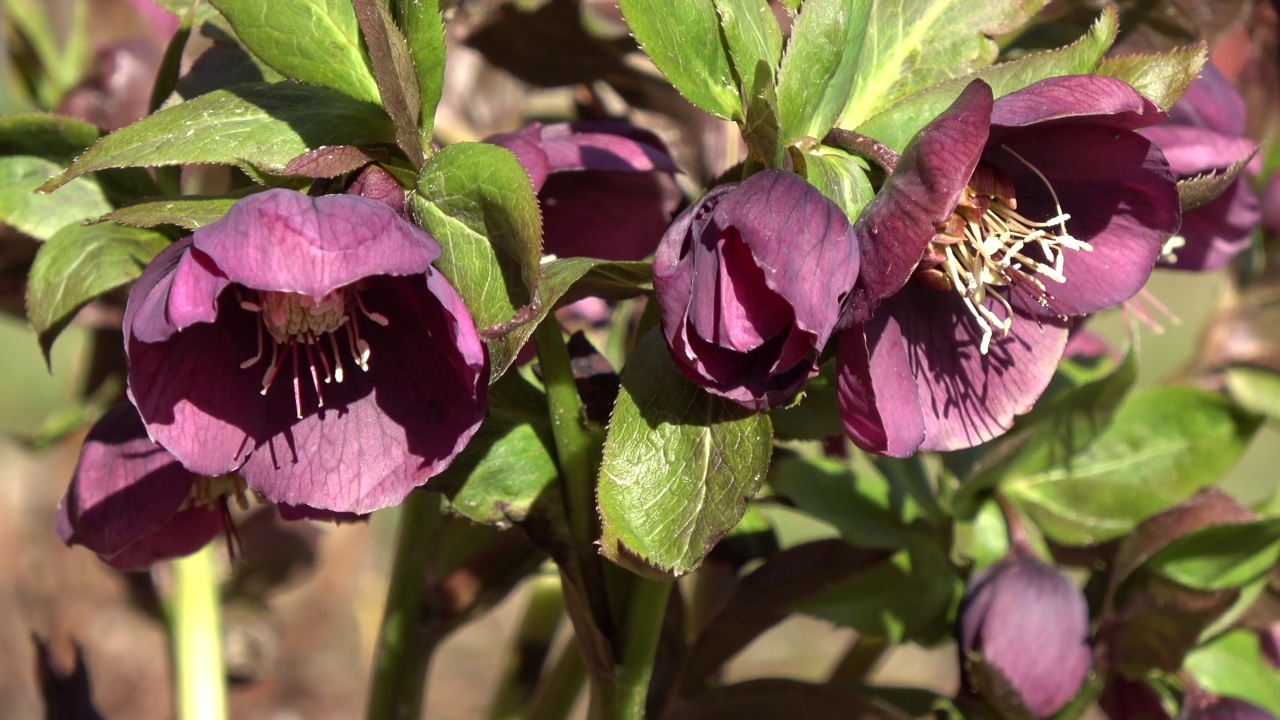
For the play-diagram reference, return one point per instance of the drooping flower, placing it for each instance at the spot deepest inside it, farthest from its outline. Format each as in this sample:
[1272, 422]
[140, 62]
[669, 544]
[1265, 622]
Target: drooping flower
[308, 344]
[605, 188]
[1027, 622]
[1001, 221]
[749, 281]
[1205, 135]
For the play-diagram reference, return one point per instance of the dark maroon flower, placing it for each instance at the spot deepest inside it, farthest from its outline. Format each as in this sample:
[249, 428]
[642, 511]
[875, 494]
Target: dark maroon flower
[750, 281]
[1027, 621]
[1205, 135]
[1200, 704]
[605, 188]
[308, 344]
[1001, 221]
[133, 503]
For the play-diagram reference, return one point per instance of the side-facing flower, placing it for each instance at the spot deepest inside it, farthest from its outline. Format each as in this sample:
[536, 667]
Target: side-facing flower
[1205, 135]
[1001, 221]
[605, 188]
[307, 343]
[1025, 624]
[749, 281]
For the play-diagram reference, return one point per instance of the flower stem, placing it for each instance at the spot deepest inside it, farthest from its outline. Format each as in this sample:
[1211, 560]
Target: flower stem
[200, 691]
[405, 643]
[530, 649]
[864, 147]
[642, 629]
[573, 444]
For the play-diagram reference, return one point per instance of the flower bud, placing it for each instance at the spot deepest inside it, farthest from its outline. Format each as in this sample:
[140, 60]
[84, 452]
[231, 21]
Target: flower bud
[1024, 626]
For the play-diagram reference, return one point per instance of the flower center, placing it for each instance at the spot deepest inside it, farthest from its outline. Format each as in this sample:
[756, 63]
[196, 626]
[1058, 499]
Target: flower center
[988, 249]
[298, 324]
[206, 491]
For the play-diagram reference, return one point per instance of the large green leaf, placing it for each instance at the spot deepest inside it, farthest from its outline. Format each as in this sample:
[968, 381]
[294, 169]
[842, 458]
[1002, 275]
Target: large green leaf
[188, 211]
[754, 41]
[912, 44]
[1220, 557]
[424, 31]
[683, 40]
[79, 263]
[818, 68]
[38, 215]
[1163, 77]
[314, 41]
[869, 511]
[476, 199]
[53, 137]
[679, 465]
[263, 125]
[1162, 446]
[1232, 665]
[840, 177]
[896, 124]
[393, 69]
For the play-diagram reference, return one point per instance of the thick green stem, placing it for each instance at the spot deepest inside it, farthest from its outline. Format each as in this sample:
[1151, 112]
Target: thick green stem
[573, 443]
[405, 641]
[560, 686]
[530, 649]
[642, 628]
[195, 625]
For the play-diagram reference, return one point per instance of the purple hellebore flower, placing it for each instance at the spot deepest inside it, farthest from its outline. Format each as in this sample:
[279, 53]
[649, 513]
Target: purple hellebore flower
[749, 281]
[1002, 220]
[308, 344]
[1028, 621]
[1205, 134]
[605, 188]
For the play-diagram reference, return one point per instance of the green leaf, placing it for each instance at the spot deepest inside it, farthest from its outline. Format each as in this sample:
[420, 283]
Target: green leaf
[187, 211]
[816, 415]
[510, 462]
[476, 199]
[264, 125]
[869, 511]
[1256, 389]
[1232, 665]
[261, 124]
[394, 72]
[1163, 77]
[1162, 446]
[895, 124]
[314, 41]
[840, 177]
[1194, 192]
[79, 263]
[818, 69]
[913, 44]
[53, 137]
[424, 31]
[1220, 557]
[754, 41]
[683, 40]
[679, 464]
[40, 216]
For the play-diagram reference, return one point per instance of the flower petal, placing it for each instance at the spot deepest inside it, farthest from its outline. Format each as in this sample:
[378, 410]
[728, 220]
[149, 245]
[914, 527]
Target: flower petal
[871, 378]
[1078, 99]
[606, 215]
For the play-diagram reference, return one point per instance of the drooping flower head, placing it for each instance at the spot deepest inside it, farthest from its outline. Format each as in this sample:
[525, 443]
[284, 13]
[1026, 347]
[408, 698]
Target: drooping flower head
[1205, 135]
[307, 343]
[605, 188]
[1002, 220]
[750, 280]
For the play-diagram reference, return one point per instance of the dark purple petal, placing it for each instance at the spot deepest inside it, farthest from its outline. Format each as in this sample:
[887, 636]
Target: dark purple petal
[285, 241]
[1212, 102]
[377, 184]
[609, 215]
[182, 534]
[1120, 195]
[1131, 700]
[125, 486]
[526, 144]
[384, 432]
[1077, 100]
[1192, 151]
[1029, 621]
[963, 396]
[863, 389]
[303, 512]
[921, 193]
[604, 146]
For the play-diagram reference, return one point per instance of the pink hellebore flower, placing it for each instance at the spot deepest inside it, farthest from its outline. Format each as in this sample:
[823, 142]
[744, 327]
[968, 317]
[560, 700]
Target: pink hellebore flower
[1001, 221]
[307, 344]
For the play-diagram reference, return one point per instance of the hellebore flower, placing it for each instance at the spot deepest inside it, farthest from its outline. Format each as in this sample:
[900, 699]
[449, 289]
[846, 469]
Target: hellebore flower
[605, 188]
[1205, 135]
[749, 281]
[1027, 621]
[1001, 221]
[308, 344]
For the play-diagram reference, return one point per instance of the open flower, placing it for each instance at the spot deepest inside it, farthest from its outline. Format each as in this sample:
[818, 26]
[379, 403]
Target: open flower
[1023, 622]
[749, 281]
[1205, 135]
[308, 344]
[1001, 221]
[605, 188]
